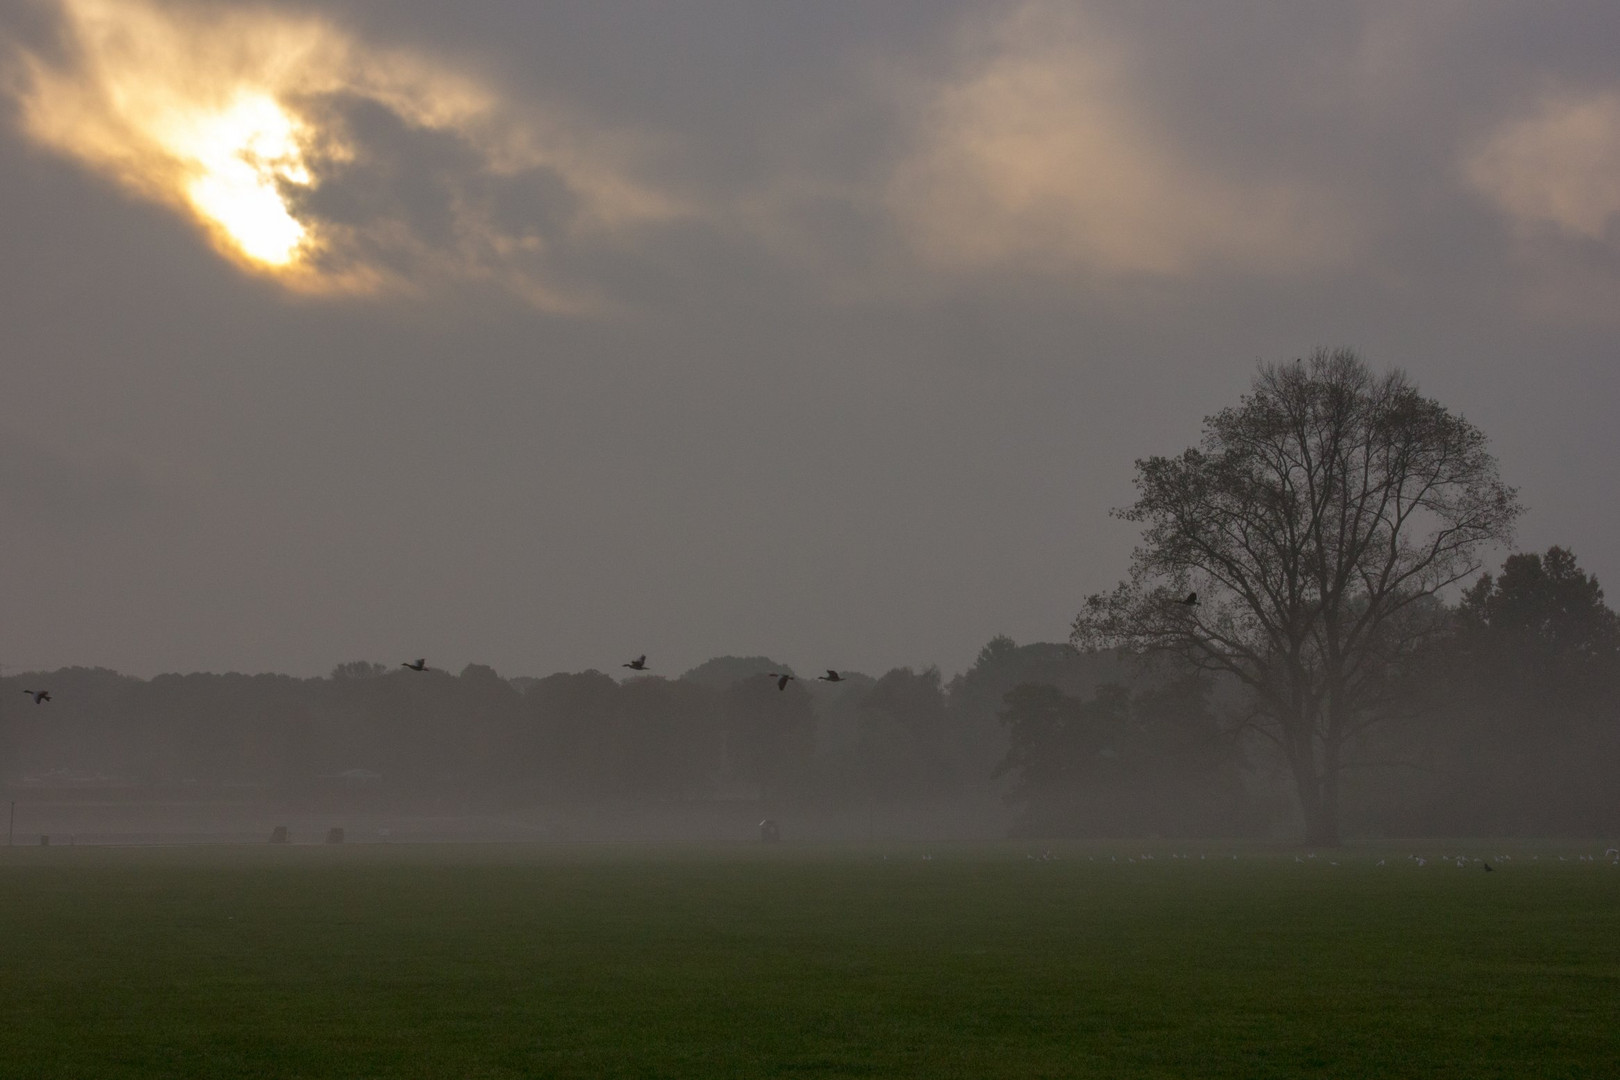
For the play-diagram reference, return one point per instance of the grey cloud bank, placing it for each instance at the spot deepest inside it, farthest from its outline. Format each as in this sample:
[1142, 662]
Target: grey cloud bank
[908, 289]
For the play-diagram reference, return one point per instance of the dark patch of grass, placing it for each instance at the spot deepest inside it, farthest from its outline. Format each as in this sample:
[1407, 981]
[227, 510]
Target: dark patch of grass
[508, 962]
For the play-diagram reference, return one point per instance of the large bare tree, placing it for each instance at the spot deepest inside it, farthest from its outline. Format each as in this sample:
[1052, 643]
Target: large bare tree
[1313, 528]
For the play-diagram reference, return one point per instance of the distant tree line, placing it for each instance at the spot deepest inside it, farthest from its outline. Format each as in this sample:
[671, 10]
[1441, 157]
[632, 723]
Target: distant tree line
[1508, 723]
[474, 738]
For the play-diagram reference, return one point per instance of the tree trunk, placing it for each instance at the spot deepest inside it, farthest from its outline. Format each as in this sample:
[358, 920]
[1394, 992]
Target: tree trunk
[1318, 790]
[1322, 827]
[1322, 811]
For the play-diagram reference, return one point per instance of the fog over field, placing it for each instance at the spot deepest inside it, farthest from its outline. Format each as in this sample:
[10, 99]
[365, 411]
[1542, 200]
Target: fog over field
[1505, 726]
[775, 340]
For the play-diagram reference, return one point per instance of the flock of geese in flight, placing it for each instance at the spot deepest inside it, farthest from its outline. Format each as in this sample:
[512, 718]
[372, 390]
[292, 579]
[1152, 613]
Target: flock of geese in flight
[782, 677]
[638, 664]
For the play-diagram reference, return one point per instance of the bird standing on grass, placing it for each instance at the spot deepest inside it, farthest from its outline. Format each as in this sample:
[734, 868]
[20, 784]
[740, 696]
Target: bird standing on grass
[39, 696]
[419, 665]
[638, 664]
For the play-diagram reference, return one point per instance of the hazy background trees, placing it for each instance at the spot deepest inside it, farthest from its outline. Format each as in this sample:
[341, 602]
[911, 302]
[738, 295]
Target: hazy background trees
[1155, 760]
[1518, 710]
[1507, 725]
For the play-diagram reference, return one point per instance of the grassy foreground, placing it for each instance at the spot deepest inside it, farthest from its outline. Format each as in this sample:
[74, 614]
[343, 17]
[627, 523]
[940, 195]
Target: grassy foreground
[472, 962]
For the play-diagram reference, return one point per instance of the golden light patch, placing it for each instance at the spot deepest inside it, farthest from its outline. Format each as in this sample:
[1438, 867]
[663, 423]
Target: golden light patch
[240, 117]
[1038, 153]
[242, 155]
[1553, 173]
[1559, 166]
[186, 115]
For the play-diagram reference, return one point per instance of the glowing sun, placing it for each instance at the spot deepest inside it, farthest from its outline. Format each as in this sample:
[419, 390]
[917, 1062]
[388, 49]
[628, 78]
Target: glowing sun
[234, 115]
[192, 111]
[238, 158]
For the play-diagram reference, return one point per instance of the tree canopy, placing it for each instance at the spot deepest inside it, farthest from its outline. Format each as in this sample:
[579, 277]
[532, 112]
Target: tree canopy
[1299, 550]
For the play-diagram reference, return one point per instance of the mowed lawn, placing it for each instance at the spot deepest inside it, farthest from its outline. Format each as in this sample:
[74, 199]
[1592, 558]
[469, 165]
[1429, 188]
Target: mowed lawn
[463, 962]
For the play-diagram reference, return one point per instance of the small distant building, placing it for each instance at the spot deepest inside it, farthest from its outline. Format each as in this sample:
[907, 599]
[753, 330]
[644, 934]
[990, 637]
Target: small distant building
[278, 835]
[334, 836]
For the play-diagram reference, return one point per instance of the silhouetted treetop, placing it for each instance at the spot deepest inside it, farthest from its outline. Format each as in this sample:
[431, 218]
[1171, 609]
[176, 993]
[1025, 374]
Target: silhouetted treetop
[1316, 521]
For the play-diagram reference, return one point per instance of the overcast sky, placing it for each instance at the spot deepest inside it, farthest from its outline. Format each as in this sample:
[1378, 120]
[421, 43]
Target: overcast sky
[546, 334]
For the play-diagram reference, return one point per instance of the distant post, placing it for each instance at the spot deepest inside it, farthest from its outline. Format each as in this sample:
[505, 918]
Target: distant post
[11, 825]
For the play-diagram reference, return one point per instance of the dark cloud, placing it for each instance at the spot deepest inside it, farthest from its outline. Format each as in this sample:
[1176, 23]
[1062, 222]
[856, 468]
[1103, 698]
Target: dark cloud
[795, 416]
[395, 179]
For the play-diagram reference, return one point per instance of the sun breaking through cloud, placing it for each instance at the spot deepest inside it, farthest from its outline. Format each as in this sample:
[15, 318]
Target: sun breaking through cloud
[296, 148]
[242, 154]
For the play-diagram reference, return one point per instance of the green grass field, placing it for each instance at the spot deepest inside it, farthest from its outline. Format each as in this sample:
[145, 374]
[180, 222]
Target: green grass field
[463, 962]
